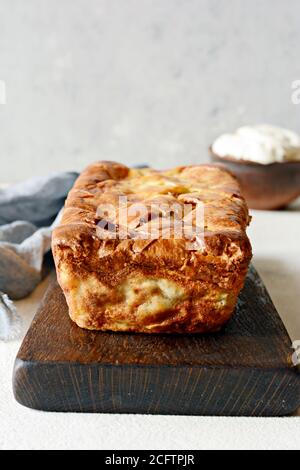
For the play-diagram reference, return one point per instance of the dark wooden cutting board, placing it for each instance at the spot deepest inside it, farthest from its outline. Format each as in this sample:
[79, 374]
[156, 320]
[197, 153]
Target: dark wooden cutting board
[246, 370]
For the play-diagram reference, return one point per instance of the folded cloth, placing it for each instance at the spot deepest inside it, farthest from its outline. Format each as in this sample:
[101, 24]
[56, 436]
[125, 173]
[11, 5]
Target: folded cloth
[21, 259]
[28, 212]
[10, 320]
[37, 200]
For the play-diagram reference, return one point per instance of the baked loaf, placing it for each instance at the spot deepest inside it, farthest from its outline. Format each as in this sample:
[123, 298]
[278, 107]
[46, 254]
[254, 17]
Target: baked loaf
[116, 278]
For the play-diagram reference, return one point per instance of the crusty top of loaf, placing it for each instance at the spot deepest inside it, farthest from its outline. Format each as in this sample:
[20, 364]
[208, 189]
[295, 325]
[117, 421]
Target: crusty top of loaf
[225, 210]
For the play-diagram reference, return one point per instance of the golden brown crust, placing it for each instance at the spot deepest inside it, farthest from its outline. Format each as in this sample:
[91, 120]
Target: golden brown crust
[152, 285]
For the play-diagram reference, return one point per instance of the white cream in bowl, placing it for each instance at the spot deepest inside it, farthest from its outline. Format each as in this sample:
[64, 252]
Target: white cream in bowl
[263, 144]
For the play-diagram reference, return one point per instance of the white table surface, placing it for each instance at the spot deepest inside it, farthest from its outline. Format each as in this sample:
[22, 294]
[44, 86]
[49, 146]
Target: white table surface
[275, 238]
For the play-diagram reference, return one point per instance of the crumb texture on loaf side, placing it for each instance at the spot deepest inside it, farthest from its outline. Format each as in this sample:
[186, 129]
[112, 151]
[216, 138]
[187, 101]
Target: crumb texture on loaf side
[156, 285]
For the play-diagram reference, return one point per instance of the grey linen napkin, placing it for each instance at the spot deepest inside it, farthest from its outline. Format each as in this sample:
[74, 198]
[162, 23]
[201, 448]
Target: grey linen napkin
[28, 212]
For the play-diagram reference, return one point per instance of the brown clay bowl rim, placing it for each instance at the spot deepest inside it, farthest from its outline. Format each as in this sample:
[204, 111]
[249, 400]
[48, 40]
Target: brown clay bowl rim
[230, 159]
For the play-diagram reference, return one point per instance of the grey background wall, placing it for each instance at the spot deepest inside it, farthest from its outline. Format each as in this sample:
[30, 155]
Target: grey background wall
[139, 80]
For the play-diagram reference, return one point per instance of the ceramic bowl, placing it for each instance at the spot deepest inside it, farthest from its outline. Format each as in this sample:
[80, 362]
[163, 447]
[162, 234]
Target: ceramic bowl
[272, 186]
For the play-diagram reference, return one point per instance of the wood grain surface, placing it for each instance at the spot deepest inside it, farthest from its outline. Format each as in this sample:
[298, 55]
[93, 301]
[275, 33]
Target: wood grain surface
[245, 370]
